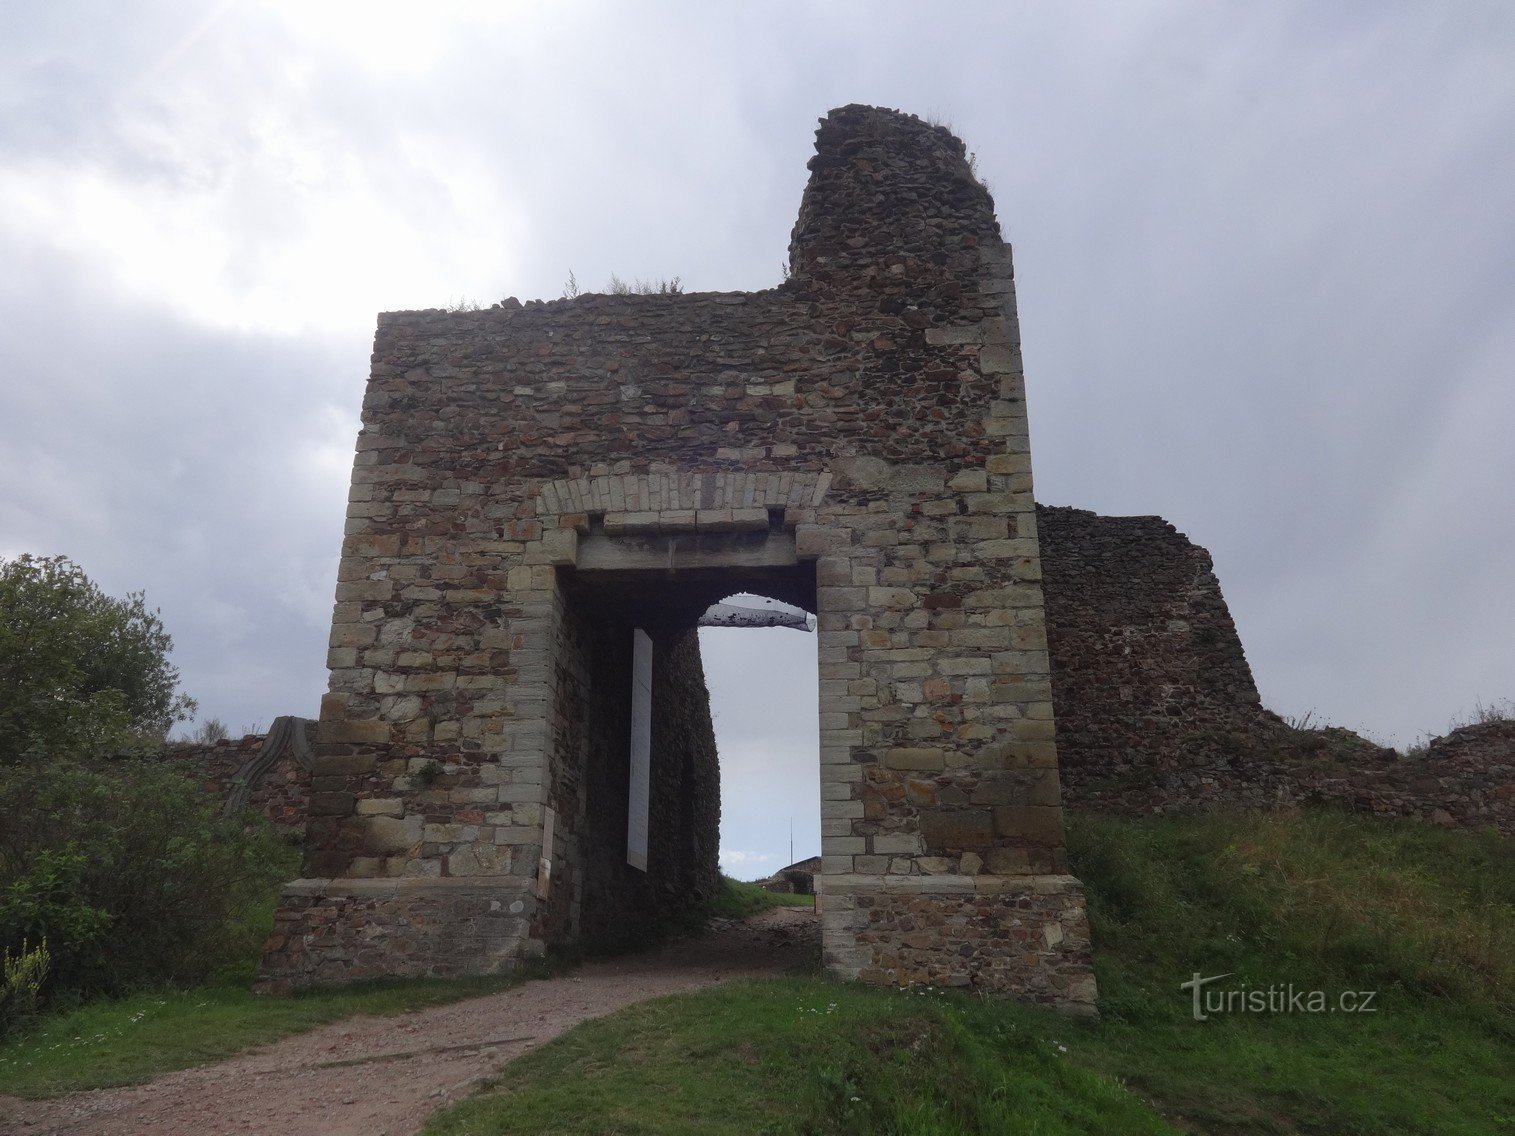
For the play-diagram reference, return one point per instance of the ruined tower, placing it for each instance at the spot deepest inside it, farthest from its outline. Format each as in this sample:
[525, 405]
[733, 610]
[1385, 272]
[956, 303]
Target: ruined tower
[515, 750]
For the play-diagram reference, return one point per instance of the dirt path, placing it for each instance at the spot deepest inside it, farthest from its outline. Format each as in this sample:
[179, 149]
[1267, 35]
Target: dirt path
[384, 1076]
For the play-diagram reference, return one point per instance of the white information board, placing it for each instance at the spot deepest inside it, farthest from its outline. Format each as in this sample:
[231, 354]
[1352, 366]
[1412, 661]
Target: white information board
[544, 862]
[641, 749]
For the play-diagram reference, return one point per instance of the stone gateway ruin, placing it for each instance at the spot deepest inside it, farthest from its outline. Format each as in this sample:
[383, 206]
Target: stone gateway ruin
[516, 749]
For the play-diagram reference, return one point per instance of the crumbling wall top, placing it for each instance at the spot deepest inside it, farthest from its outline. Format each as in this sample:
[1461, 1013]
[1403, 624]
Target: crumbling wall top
[892, 202]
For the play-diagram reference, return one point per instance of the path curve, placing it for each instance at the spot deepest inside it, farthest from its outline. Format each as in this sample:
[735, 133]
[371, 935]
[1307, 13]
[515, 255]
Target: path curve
[369, 1076]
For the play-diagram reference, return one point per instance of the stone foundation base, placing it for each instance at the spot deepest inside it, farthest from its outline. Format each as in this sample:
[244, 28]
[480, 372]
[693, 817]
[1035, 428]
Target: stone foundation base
[1023, 936]
[329, 932]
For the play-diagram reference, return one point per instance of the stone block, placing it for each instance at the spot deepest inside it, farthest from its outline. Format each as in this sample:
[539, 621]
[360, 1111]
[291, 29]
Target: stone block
[392, 834]
[381, 806]
[479, 860]
[1008, 861]
[1039, 825]
[957, 830]
[896, 844]
[814, 541]
[970, 481]
[353, 635]
[1018, 787]
[923, 758]
[339, 765]
[353, 732]
[331, 804]
[561, 547]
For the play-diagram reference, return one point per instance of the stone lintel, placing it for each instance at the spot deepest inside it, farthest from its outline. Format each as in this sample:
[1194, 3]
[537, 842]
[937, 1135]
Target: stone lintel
[682, 551]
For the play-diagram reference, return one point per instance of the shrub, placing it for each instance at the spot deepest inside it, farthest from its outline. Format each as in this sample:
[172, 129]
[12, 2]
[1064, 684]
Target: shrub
[128, 872]
[80, 672]
[21, 980]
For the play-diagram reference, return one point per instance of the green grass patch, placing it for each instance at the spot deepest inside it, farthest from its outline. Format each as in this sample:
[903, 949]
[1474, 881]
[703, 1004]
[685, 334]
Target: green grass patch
[805, 1056]
[136, 1038]
[736, 900]
[1423, 918]
[1320, 901]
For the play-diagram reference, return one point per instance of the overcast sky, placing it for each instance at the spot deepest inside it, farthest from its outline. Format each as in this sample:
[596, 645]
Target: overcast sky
[1265, 257]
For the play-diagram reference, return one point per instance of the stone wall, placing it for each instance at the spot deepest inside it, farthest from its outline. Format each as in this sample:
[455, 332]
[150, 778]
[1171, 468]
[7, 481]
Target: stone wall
[1148, 670]
[267, 773]
[1465, 780]
[855, 438]
[1157, 710]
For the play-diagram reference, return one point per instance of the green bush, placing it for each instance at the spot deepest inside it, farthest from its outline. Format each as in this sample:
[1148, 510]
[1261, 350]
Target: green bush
[81, 672]
[21, 980]
[48, 901]
[128, 872]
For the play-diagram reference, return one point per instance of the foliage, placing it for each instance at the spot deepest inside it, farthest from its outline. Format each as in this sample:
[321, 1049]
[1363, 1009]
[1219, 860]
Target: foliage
[618, 287]
[1500, 710]
[49, 899]
[209, 732]
[127, 871]
[21, 980]
[640, 287]
[80, 672]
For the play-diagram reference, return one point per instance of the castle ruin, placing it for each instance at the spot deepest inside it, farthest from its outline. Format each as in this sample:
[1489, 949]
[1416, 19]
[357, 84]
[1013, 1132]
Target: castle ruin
[516, 749]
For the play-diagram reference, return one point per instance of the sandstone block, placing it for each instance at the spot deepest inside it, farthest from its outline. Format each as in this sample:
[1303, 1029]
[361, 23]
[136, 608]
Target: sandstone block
[896, 844]
[970, 481]
[392, 834]
[353, 732]
[561, 547]
[1040, 825]
[1018, 787]
[814, 541]
[381, 806]
[957, 830]
[907, 757]
[479, 860]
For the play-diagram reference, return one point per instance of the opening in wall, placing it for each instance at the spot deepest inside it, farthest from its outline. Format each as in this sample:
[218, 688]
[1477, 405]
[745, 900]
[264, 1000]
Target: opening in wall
[764, 698]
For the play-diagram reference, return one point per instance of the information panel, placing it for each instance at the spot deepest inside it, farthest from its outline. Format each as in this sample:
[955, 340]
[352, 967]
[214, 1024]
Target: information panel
[641, 749]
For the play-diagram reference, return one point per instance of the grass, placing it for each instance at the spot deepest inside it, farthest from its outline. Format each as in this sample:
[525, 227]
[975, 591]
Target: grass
[133, 1039]
[1423, 918]
[803, 1056]
[736, 900]
[1322, 901]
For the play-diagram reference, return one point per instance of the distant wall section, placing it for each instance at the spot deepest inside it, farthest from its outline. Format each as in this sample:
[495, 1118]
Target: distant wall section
[1148, 670]
[266, 773]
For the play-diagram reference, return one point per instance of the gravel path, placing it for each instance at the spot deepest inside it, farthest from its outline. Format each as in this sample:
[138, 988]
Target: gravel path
[384, 1076]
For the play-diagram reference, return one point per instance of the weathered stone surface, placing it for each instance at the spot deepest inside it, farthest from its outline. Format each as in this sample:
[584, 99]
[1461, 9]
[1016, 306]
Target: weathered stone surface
[957, 830]
[853, 441]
